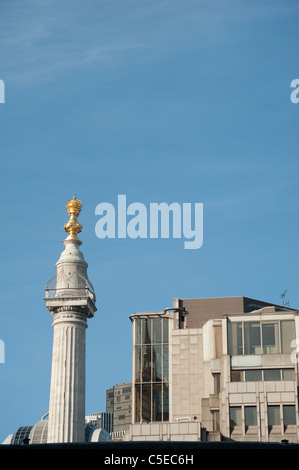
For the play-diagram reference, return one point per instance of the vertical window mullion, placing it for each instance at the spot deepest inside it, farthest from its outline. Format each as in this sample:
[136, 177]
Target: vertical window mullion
[152, 367]
[162, 395]
[279, 337]
[152, 405]
[140, 402]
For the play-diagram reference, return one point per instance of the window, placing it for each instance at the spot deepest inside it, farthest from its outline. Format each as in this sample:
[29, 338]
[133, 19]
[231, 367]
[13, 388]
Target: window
[165, 402]
[165, 330]
[270, 332]
[157, 402]
[252, 338]
[157, 363]
[235, 341]
[273, 415]
[165, 359]
[138, 331]
[216, 383]
[243, 418]
[255, 337]
[151, 369]
[250, 416]
[157, 330]
[272, 374]
[256, 375]
[146, 331]
[287, 335]
[235, 417]
[146, 361]
[138, 364]
[137, 402]
[146, 402]
[237, 376]
[288, 374]
[289, 415]
[253, 375]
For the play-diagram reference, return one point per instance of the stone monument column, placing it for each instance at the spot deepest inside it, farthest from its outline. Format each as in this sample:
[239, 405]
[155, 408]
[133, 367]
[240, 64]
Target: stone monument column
[71, 300]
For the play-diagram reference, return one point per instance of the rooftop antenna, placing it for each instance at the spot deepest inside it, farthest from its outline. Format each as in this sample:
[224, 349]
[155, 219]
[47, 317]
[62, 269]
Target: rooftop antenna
[285, 303]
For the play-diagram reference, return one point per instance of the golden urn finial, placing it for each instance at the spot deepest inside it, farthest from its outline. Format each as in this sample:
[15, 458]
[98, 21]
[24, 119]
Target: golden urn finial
[72, 226]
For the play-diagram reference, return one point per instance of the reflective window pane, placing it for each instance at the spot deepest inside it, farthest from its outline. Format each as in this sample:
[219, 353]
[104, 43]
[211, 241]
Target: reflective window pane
[138, 364]
[165, 363]
[157, 402]
[272, 374]
[250, 416]
[157, 330]
[287, 329]
[146, 363]
[235, 344]
[157, 362]
[216, 383]
[252, 338]
[270, 333]
[137, 403]
[237, 376]
[253, 375]
[235, 416]
[165, 330]
[165, 402]
[138, 331]
[146, 402]
[146, 331]
[151, 369]
[288, 374]
[289, 415]
[273, 415]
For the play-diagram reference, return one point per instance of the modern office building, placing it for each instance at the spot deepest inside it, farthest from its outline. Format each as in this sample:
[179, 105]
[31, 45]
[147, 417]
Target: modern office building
[215, 369]
[119, 403]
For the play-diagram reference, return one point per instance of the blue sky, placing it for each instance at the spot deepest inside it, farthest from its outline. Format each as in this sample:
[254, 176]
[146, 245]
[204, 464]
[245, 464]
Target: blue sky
[163, 101]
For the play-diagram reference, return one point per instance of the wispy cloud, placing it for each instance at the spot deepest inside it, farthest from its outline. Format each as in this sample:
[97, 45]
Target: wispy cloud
[43, 38]
[41, 42]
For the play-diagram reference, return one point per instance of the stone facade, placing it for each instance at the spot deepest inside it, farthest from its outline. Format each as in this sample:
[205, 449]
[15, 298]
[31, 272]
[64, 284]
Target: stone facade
[187, 375]
[71, 301]
[165, 432]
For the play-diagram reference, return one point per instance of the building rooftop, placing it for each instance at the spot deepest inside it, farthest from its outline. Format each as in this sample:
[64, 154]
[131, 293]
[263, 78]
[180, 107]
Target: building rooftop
[204, 309]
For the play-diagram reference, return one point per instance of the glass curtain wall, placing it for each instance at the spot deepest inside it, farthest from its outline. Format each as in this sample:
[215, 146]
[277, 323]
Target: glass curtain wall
[151, 369]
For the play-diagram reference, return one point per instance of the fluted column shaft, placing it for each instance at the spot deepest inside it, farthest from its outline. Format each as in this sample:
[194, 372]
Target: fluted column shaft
[67, 394]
